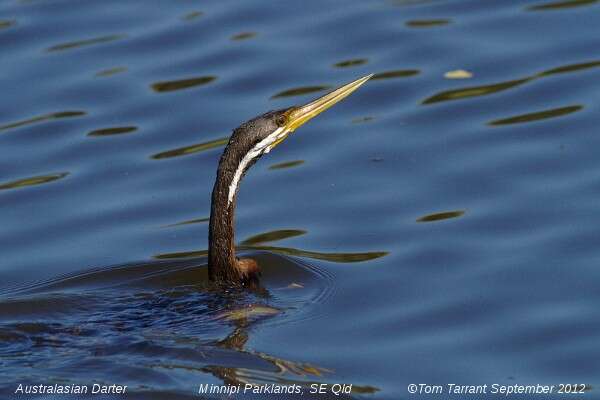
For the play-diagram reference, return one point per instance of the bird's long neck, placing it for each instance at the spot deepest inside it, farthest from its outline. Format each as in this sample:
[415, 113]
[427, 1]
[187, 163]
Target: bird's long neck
[221, 248]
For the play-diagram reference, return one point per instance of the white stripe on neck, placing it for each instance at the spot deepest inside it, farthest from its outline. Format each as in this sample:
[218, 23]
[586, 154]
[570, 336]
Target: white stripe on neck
[264, 146]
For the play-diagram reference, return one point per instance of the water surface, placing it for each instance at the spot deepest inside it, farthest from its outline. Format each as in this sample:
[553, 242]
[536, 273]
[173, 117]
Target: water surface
[425, 230]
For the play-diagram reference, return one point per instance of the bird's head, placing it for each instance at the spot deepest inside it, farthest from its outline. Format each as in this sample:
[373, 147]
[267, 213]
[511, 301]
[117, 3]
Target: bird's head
[260, 135]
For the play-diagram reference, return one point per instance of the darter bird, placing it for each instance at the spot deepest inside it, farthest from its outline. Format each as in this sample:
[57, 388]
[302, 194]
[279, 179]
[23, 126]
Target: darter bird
[247, 144]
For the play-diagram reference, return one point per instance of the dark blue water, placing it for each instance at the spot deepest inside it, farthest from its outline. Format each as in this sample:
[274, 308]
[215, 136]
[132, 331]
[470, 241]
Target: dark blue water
[432, 228]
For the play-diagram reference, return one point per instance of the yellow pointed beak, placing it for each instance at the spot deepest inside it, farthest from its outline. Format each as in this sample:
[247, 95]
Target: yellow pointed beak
[298, 116]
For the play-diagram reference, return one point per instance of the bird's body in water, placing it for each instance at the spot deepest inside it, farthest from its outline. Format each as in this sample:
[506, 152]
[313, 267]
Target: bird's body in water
[247, 144]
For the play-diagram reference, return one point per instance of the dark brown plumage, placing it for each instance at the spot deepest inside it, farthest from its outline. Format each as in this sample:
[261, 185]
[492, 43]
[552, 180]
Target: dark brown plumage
[247, 144]
[223, 266]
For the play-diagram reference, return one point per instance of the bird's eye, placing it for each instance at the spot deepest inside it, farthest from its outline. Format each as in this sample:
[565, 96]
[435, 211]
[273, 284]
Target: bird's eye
[280, 120]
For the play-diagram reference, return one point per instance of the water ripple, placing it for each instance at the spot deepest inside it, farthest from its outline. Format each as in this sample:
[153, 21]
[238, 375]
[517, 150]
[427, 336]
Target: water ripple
[42, 118]
[474, 91]
[31, 181]
[362, 120]
[169, 86]
[111, 71]
[561, 4]
[287, 251]
[194, 148]
[299, 91]
[351, 63]
[192, 15]
[399, 73]
[538, 115]
[570, 68]
[441, 216]
[84, 43]
[257, 242]
[333, 257]
[119, 130]
[4, 23]
[244, 36]
[273, 236]
[287, 164]
[188, 222]
[427, 23]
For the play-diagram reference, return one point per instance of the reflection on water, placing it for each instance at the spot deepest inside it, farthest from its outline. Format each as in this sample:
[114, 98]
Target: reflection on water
[194, 148]
[400, 73]
[351, 63]
[535, 116]
[250, 312]
[474, 91]
[169, 86]
[156, 318]
[426, 23]
[570, 68]
[256, 243]
[85, 42]
[561, 4]
[182, 254]
[281, 371]
[34, 180]
[113, 131]
[333, 257]
[160, 317]
[300, 91]
[244, 36]
[42, 118]
[273, 236]
[193, 15]
[362, 120]
[288, 251]
[111, 71]
[285, 372]
[441, 216]
[6, 23]
[287, 164]
[188, 222]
